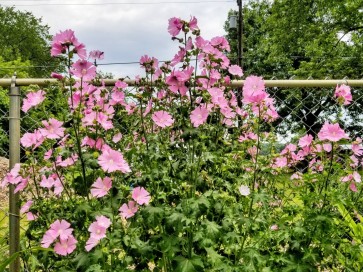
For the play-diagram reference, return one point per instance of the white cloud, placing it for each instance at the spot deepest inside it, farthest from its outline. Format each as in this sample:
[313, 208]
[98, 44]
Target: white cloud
[126, 32]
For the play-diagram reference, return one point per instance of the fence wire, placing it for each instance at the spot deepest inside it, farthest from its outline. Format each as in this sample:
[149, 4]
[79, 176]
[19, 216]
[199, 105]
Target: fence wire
[302, 110]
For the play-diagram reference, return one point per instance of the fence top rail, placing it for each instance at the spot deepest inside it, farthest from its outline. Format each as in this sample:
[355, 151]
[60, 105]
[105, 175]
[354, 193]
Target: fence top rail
[289, 83]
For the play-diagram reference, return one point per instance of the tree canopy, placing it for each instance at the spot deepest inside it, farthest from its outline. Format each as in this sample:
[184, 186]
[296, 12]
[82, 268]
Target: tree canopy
[304, 39]
[24, 39]
[308, 38]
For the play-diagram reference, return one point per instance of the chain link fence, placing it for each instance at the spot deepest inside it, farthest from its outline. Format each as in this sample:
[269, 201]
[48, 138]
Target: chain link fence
[303, 108]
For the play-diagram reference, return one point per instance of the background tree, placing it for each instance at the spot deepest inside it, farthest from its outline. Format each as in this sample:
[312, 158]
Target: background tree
[304, 39]
[25, 38]
[24, 49]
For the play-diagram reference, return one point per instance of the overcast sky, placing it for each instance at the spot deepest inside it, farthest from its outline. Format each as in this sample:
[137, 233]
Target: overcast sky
[125, 29]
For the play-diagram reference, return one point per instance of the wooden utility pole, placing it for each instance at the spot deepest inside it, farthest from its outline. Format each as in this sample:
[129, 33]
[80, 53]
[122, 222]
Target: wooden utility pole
[240, 33]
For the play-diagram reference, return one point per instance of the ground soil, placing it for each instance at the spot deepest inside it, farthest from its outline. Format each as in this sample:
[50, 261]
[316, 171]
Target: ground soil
[4, 168]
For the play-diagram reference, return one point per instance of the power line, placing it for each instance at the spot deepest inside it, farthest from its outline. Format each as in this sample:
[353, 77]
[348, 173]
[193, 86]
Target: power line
[136, 62]
[114, 3]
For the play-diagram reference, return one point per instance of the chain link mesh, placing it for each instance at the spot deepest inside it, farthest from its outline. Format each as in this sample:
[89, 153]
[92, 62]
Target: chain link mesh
[302, 110]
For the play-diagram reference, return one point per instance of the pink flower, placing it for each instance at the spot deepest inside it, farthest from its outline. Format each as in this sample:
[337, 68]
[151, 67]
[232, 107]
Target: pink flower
[357, 149]
[31, 216]
[289, 148]
[13, 177]
[117, 97]
[176, 80]
[66, 162]
[199, 116]
[327, 147]
[117, 137]
[48, 238]
[297, 176]
[91, 243]
[84, 69]
[228, 112]
[244, 190]
[175, 25]
[104, 121]
[353, 187]
[47, 182]
[161, 94]
[80, 49]
[103, 221]
[65, 246]
[66, 243]
[343, 94]
[58, 187]
[235, 70]
[33, 99]
[218, 97]
[221, 43]
[274, 227]
[98, 231]
[150, 64]
[101, 187]
[99, 227]
[148, 107]
[332, 132]
[61, 229]
[280, 162]
[21, 186]
[52, 129]
[121, 84]
[305, 140]
[111, 160]
[65, 37]
[162, 119]
[356, 177]
[346, 178]
[61, 40]
[128, 210]
[193, 23]
[254, 90]
[25, 208]
[141, 196]
[56, 75]
[233, 101]
[34, 139]
[96, 54]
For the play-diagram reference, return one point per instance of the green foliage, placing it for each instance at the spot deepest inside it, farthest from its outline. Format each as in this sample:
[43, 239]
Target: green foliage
[25, 38]
[287, 38]
[218, 202]
[303, 39]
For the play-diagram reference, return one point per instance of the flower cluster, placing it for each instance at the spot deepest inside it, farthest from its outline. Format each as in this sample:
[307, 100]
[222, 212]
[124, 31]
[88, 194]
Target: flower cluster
[98, 231]
[184, 139]
[140, 197]
[66, 243]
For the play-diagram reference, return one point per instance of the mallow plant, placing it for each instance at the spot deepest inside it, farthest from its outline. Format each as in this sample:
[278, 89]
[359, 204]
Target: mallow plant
[179, 171]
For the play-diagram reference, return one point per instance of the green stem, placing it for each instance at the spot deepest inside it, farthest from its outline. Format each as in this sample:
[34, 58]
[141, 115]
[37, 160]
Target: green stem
[143, 125]
[326, 183]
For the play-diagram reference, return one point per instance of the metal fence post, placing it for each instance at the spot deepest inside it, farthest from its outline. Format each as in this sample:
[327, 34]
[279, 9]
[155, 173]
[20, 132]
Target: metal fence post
[14, 157]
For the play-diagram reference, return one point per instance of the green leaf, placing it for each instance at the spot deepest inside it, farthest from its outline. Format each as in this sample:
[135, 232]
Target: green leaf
[184, 265]
[197, 262]
[211, 228]
[82, 260]
[175, 218]
[213, 256]
[95, 268]
[153, 214]
[8, 261]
